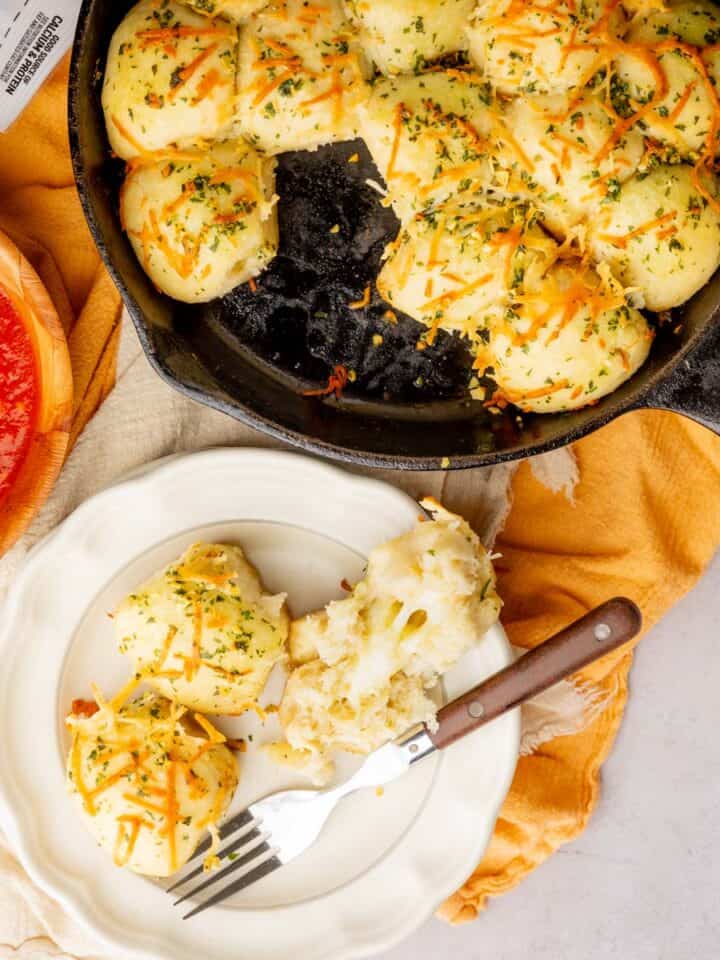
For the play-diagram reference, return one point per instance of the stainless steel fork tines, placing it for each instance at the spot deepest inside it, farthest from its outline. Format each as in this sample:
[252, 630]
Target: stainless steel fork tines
[276, 830]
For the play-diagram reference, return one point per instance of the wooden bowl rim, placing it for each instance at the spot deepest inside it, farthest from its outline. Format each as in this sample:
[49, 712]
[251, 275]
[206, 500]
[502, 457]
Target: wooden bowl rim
[46, 454]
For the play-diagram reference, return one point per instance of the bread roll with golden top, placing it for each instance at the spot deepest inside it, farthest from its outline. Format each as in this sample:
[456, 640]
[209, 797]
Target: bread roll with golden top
[528, 46]
[370, 660]
[202, 222]
[403, 36]
[564, 156]
[203, 631]
[662, 234]
[450, 269]
[169, 79]
[429, 136]
[568, 341]
[150, 780]
[301, 77]
[669, 73]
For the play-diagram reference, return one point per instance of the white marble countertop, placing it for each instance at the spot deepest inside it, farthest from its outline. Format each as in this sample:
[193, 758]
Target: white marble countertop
[642, 882]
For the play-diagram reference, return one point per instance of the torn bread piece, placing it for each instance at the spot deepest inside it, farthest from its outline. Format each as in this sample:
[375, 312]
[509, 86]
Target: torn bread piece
[367, 664]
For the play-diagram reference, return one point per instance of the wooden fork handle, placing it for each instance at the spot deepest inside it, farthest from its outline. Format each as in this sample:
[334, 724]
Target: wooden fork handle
[604, 629]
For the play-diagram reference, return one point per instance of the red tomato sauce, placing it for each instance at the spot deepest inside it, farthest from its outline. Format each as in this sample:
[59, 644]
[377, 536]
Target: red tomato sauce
[18, 392]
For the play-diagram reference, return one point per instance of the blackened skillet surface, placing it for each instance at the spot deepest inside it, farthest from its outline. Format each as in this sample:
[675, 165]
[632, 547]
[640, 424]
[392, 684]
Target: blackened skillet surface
[333, 231]
[254, 355]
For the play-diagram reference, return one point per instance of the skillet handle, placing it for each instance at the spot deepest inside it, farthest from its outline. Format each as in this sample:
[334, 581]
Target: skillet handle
[601, 630]
[693, 388]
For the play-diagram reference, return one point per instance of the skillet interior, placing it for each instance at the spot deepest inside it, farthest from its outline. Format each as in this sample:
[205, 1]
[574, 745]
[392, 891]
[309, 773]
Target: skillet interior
[252, 355]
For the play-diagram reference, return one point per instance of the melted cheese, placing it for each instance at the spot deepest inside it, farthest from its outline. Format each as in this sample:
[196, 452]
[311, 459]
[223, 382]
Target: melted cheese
[371, 659]
[169, 79]
[201, 222]
[203, 632]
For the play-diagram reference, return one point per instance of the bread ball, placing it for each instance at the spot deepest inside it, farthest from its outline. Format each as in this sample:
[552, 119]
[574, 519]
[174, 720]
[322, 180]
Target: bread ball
[694, 22]
[371, 659]
[150, 780]
[202, 222]
[449, 269]
[429, 136]
[239, 10]
[169, 79]
[661, 56]
[203, 631]
[661, 236]
[570, 340]
[534, 47]
[301, 77]
[565, 157]
[403, 36]
[320, 719]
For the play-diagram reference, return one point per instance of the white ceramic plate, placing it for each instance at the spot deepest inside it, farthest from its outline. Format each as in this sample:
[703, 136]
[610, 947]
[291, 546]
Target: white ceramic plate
[383, 863]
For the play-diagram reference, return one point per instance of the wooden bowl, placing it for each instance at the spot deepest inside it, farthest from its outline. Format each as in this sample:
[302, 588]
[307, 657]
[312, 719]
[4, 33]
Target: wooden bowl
[46, 453]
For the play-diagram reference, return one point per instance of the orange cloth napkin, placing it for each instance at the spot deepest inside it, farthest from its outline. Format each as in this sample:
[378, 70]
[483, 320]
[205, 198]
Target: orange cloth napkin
[645, 522]
[40, 211]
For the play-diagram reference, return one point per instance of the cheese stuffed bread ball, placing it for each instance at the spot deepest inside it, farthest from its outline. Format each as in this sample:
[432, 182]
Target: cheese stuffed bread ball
[662, 235]
[201, 222]
[569, 340]
[239, 10]
[203, 631]
[534, 47]
[300, 78]
[670, 70]
[320, 717]
[450, 269]
[169, 79]
[403, 36]
[367, 663]
[150, 780]
[428, 136]
[564, 156]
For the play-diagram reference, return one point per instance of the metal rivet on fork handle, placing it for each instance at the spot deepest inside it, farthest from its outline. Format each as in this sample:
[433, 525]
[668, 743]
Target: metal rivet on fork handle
[602, 632]
[476, 710]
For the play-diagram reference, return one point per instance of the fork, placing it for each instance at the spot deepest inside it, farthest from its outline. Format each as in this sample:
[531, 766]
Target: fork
[277, 829]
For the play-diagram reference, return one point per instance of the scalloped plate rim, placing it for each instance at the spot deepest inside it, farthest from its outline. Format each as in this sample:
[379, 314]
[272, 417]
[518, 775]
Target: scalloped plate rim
[21, 830]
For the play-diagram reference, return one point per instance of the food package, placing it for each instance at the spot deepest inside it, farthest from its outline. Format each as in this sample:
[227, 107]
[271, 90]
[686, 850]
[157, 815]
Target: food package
[34, 35]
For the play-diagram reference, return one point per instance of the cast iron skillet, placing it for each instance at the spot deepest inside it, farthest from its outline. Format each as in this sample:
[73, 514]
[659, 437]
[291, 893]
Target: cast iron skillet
[253, 355]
